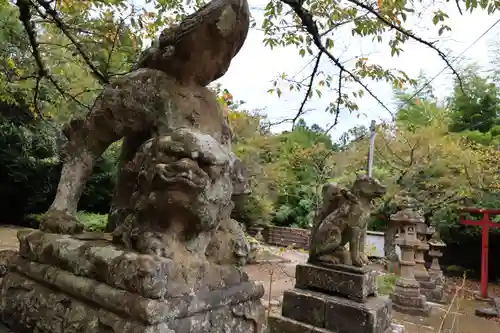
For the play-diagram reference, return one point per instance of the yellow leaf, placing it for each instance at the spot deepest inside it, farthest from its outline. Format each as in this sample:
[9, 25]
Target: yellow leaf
[11, 63]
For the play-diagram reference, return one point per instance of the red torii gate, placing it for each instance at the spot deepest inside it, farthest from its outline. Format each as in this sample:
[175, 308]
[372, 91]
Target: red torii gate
[485, 223]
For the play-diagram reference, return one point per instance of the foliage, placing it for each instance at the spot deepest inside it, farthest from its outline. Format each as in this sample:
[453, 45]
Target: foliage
[30, 170]
[475, 110]
[285, 170]
[386, 283]
[92, 221]
[65, 50]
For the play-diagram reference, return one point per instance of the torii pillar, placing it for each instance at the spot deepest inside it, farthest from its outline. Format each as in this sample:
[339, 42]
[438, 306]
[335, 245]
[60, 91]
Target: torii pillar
[485, 223]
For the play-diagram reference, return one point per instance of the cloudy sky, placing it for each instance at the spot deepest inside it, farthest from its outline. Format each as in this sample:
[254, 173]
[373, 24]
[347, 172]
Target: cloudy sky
[256, 65]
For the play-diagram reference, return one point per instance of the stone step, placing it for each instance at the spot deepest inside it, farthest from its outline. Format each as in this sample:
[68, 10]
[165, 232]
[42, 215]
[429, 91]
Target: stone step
[349, 281]
[337, 314]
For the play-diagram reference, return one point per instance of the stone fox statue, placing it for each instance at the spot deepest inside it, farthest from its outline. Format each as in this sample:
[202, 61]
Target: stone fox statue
[343, 218]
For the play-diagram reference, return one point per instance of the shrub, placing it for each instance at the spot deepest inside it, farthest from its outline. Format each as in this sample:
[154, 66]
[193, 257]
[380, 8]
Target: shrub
[386, 283]
[30, 169]
[92, 221]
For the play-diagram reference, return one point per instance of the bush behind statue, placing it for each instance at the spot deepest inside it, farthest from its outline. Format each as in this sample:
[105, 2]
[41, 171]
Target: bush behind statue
[30, 168]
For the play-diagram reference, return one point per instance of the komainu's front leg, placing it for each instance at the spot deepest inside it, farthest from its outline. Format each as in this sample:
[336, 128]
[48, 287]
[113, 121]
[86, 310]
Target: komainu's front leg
[354, 246]
[113, 116]
[362, 245]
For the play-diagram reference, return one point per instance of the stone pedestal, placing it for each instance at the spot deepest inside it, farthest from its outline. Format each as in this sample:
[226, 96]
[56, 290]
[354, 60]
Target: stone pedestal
[407, 297]
[333, 299]
[60, 284]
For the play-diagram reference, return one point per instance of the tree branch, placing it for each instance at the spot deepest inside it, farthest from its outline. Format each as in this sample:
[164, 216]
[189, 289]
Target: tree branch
[310, 25]
[25, 18]
[309, 89]
[408, 34]
[61, 25]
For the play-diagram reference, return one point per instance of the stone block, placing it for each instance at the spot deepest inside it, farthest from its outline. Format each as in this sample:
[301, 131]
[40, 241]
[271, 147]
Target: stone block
[352, 282]
[27, 305]
[147, 275]
[304, 307]
[336, 313]
[410, 301]
[59, 284]
[281, 324]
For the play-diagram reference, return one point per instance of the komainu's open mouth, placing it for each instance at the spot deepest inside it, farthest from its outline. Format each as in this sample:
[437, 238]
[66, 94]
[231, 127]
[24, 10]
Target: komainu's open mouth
[184, 171]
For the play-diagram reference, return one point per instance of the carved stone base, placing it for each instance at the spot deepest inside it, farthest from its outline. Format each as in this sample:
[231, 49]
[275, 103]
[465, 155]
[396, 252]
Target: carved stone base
[407, 298]
[432, 292]
[331, 300]
[63, 285]
[337, 314]
[349, 281]
[280, 324]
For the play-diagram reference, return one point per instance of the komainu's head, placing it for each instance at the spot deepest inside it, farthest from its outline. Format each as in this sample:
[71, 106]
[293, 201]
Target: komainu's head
[368, 187]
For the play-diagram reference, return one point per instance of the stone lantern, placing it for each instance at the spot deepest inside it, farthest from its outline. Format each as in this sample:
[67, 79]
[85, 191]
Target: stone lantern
[406, 297]
[427, 286]
[435, 272]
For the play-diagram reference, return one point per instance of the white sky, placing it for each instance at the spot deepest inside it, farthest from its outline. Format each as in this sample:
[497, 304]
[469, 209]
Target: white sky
[256, 65]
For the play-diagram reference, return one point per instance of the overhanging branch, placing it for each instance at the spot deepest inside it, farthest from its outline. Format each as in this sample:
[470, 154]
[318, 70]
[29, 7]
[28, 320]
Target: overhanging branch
[310, 25]
[407, 33]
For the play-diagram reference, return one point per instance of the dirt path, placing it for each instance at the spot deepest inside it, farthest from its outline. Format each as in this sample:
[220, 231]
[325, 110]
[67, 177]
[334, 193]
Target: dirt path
[8, 239]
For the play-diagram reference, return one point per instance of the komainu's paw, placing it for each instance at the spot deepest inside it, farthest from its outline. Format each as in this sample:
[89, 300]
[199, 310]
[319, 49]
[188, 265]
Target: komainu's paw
[59, 222]
[360, 260]
[330, 259]
[365, 259]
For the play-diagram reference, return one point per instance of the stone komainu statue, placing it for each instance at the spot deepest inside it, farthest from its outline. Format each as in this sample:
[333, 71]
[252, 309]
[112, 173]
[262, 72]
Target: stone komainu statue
[176, 172]
[343, 218]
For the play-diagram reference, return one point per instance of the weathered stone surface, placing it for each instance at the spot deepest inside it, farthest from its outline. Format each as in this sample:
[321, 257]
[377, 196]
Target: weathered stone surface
[5, 259]
[28, 306]
[337, 314]
[175, 183]
[280, 324]
[355, 283]
[347, 316]
[407, 298]
[150, 311]
[201, 47]
[150, 276]
[229, 245]
[343, 218]
[304, 307]
[433, 292]
[487, 312]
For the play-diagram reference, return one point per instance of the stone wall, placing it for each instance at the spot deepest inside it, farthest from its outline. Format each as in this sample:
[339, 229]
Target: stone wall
[299, 238]
[284, 236]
